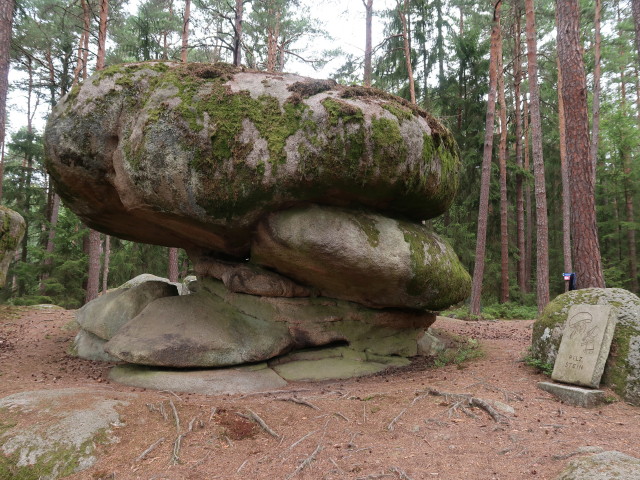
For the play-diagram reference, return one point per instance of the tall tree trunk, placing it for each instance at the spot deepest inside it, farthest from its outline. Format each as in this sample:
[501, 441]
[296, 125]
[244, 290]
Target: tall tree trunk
[502, 161]
[584, 231]
[93, 275]
[635, 8]
[528, 259]
[485, 180]
[595, 126]
[368, 49]
[102, 34]
[542, 229]
[517, 80]
[173, 265]
[402, 11]
[107, 261]
[273, 34]
[564, 170]
[185, 31]
[86, 26]
[6, 19]
[237, 33]
[53, 222]
[461, 88]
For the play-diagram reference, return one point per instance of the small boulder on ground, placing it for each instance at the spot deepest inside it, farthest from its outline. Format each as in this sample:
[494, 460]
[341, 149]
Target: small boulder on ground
[603, 466]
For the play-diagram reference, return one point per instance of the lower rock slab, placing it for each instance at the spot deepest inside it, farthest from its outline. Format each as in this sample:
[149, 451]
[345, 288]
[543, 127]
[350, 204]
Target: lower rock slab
[244, 379]
[48, 434]
[572, 395]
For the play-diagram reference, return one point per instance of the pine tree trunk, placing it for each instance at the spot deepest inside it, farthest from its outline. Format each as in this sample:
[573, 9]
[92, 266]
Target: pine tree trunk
[86, 22]
[502, 161]
[584, 229]
[48, 258]
[485, 180]
[102, 34]
[173, 265]
[273, 34]
[6, 19]
[407, 49]
[564, 171]
[107, 261]
[368, 49]
[528, 208]
[517, 76]
[237, 34]
[542, 229]
[93, 274]
[185, 31]
[635, 8]
[595, 125]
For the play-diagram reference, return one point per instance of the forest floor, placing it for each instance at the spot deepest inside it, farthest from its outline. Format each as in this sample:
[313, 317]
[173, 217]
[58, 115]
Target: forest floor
[385, 426]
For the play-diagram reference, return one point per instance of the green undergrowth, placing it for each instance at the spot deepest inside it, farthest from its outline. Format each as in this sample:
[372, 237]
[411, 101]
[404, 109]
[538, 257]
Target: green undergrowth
[540, 366]
[504, 311]
[463, 350]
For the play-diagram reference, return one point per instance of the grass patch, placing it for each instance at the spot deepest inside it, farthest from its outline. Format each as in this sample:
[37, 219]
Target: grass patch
[464, 351]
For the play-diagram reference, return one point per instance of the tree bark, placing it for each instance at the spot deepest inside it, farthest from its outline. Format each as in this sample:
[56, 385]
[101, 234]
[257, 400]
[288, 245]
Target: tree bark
[102, 34]
[635, 9]
[595, 125]
[273, 34]
[584, 229]
[185, 31]
[517, 80]
[502, 161]
[527, 200]
[368, 49]
[173, 265]
[53, 222]
[564, 171]
[485, 180]
[107, 261]
[237, 34]
[93, 274]
[6, 19]
[542, 233]
[407, 49]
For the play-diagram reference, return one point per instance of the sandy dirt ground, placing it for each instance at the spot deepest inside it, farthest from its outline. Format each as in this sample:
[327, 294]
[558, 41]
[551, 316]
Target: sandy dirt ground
[385, 426]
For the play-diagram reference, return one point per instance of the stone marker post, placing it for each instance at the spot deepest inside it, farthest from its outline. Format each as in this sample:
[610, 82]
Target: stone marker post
[585, 345]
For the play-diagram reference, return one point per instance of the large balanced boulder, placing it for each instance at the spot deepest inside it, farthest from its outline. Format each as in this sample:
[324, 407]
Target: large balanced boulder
[12, 229]
[362, 257]
[622, 369]
[192, 155]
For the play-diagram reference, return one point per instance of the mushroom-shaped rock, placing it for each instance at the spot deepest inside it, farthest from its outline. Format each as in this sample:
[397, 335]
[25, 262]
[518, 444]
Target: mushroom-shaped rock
[362, 257]
[192, 155]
